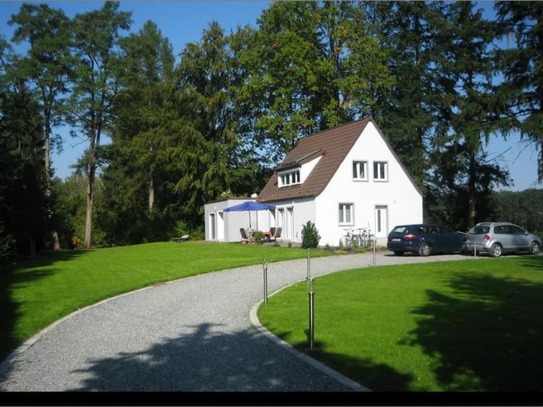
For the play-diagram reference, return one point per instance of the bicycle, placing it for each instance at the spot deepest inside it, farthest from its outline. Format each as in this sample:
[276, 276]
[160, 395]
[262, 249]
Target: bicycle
[361, 239]
[351, 239]
[348, 238]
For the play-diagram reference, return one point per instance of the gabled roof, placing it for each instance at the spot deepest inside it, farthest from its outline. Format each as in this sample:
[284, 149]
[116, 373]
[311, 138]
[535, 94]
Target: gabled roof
[332, 145]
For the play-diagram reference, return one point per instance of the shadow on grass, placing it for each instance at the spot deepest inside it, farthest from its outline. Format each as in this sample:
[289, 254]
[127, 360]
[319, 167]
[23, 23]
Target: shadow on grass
[26, 271]
[487, 336]
[533, 262]
[362, 370]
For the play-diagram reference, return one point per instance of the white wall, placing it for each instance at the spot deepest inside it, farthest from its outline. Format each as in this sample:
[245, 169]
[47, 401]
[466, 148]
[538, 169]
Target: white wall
[228, 224]
[292, 215]
[402, 201]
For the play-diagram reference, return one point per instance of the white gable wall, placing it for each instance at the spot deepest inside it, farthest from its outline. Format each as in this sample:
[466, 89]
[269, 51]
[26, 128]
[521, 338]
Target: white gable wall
[397, 199]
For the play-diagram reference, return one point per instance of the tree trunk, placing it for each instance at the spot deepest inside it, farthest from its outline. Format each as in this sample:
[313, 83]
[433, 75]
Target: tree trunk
[151, 190]
[87, 244]
[151, 194]
[472, 190]
[56, 241]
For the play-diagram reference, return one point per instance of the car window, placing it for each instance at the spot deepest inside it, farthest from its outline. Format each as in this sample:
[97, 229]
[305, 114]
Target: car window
[433, 229]
[515, 230]
[401, 230]
[445, 229]
[479, 230]
[500, 230]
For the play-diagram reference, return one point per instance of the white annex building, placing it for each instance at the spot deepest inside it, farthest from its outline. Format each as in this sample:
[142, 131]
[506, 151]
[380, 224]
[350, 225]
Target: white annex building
[341, 179]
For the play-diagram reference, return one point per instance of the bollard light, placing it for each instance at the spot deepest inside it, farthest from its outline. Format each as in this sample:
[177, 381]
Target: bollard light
[265, 278]
[311, 298]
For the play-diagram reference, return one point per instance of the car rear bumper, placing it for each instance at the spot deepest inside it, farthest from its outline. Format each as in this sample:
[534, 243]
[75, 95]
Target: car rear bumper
[403, 246]
[470, 247]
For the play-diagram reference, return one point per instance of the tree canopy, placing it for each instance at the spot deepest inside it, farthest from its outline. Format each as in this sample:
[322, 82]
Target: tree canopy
[440, 79]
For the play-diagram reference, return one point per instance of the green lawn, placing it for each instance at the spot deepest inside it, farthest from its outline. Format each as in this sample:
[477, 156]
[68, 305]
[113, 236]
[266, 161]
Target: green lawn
[46, 288]
[471, 325]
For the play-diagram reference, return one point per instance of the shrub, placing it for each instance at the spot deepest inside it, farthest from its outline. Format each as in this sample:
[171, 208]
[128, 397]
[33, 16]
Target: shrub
[197, 233]
[7, 245]
[258, 237]
[182, 228]
[310, 235]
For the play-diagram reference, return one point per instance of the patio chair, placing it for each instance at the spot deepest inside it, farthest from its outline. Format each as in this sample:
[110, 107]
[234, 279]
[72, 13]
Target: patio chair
[244, 237]
[270, 234]
[276, 235]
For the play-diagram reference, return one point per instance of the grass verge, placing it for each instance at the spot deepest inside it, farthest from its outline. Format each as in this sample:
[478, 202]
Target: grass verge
[472, 325]
[48, 287]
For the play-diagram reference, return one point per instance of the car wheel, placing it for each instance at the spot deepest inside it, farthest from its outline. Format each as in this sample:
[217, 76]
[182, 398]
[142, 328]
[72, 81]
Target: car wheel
[425, 249]
[534, 248]
[495, 250]
[398, 253]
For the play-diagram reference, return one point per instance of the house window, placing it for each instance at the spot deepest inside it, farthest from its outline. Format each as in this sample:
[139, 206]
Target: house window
[289, 178]
[346, 212]
[360, 170]
[380, 171]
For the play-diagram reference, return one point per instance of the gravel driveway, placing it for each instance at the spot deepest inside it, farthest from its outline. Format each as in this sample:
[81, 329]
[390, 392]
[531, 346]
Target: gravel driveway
[193, 334]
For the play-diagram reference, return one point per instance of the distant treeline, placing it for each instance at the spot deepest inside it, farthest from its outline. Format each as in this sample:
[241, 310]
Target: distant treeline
[441, 79]
[523, 208]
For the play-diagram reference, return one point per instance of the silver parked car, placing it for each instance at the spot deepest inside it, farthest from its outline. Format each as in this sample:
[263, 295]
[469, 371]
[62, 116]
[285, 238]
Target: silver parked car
[497, 238]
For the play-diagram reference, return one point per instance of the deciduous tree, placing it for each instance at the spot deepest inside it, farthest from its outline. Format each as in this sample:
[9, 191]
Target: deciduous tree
[310, 66]
[96, 35]
[47, 63]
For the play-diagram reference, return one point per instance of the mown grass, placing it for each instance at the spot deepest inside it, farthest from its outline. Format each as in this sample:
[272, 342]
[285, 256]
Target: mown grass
[48, 287]
[471, 325]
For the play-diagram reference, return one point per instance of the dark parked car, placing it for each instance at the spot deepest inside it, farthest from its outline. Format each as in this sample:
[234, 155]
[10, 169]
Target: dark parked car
[425, 239]
[496, 238]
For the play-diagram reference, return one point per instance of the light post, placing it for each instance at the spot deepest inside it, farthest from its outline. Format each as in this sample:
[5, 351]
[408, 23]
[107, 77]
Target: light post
[311, 297]
[265, 278]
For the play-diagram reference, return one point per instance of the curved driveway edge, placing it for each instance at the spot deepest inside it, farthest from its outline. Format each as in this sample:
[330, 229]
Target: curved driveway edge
[354, 386]
[192, 334]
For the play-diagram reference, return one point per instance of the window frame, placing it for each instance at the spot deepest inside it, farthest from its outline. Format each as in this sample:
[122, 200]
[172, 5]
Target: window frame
[357, 165]
[345, 208]
[293, 177]
[380, 171]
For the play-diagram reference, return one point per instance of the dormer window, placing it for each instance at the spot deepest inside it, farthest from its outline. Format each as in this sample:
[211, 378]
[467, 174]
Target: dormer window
[289, 178]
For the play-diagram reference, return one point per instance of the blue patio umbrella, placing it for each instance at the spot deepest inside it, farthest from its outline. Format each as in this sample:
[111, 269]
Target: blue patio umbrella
[249, 206]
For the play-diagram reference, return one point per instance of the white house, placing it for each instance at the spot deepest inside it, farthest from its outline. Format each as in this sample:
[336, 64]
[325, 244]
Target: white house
[345, 178]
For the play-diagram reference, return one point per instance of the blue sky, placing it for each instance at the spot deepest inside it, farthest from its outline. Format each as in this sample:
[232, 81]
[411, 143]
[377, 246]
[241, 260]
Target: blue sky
[183, 22]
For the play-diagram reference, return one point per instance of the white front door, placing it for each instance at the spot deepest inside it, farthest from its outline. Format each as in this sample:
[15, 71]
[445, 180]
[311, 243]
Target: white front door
[381, 220]
[289, 223]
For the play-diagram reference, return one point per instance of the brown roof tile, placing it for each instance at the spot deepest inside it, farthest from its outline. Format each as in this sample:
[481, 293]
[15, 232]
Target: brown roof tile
[333, 144]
